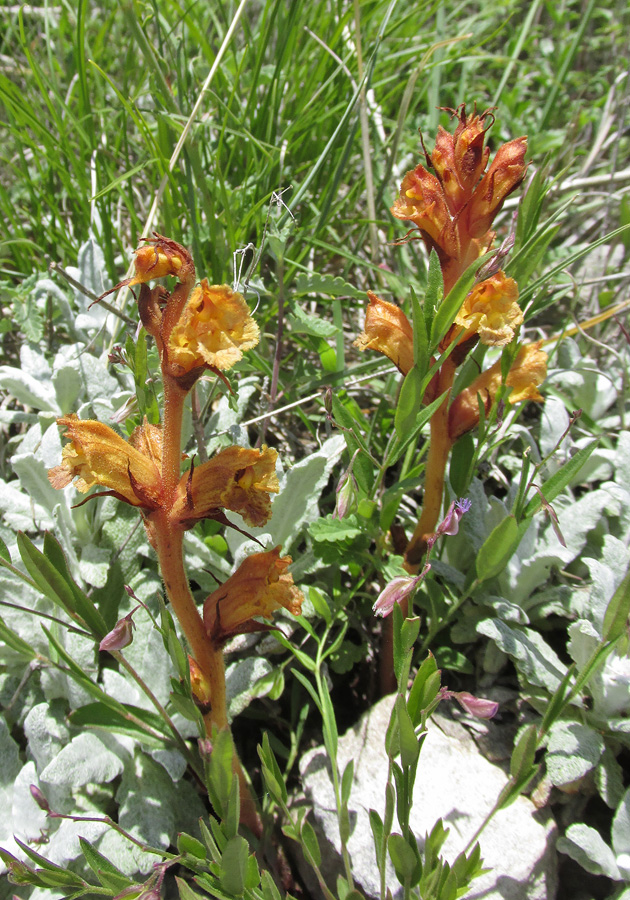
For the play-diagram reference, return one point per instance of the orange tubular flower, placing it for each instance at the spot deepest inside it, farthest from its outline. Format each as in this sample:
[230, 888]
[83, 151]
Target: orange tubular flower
[388, 330]
[237, 479]
[528, 371]
[259, 586]
[504, 175]
[214, 329]
[491, 311]
[97, 455]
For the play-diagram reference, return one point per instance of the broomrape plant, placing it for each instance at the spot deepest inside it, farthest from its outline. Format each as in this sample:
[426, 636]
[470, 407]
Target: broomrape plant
[196, 328]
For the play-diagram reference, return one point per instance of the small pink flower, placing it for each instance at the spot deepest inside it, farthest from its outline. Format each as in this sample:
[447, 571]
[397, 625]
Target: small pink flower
[397, 590]
[474, 706]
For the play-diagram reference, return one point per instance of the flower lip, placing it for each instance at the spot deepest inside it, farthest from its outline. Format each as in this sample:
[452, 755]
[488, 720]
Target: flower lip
[213, 330]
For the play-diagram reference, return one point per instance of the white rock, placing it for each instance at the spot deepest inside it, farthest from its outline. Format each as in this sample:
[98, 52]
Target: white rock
[454, 782]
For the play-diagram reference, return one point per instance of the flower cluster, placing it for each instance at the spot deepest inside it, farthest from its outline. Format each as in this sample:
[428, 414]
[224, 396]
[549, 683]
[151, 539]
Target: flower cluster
[454, 208]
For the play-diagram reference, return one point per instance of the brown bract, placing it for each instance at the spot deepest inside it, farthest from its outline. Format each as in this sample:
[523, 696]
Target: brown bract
[214, 329]
[259, 586]
[161, 256]
[387, 330]
[491, 311]
[237, 478]
[96, 455]
[527, 372]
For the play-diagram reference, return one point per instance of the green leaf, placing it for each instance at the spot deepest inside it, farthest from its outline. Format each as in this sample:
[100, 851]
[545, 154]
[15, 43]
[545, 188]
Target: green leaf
[186, 843]
[4, 551]
[420, 334]
[119, 721]
[524, 752]
[82, 603]
[304, 323]
[15, 642]
[107, 873]
[435, 289]
[617, 612]
[234, 865]
[409, 402]
[333, 530]
[406, 862]
[271, 769]
[497, 549]
[310, 843]
[409, 746]
[462, 464]
[346, 781]
[560, 479]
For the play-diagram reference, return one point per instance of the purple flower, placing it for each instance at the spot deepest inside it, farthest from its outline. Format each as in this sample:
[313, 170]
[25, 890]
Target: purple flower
[450, 523]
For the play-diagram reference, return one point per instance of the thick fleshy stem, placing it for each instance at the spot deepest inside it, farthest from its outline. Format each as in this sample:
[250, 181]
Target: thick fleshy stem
[439, 449]
[169, 544]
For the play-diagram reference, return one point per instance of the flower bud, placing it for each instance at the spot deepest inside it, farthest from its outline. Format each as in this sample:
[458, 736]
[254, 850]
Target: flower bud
[397, 590]
[199, 684]
[388, 330]
[121, 634]
[476, 706]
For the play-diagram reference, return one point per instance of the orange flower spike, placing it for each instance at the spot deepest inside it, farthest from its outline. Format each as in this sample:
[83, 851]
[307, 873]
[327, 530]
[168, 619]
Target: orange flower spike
[213, 330]
[162, 256]
[237, 479]
[459, 159]
[527, 372]
[97, 455]
[259, 587]
[505, 174]
[387, 330]
[491, 311]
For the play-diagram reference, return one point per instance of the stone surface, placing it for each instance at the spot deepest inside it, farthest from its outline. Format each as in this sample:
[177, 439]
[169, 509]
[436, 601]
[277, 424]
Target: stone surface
[454, 782]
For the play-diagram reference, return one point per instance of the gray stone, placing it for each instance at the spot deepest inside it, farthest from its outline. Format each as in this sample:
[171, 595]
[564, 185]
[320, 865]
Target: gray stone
[454, 782]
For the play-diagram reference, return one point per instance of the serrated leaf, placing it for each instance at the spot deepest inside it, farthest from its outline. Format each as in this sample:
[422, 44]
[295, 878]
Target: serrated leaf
[333, 530]
[329, 285]
[304, 323]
